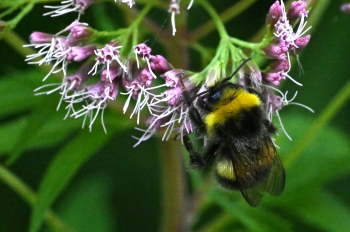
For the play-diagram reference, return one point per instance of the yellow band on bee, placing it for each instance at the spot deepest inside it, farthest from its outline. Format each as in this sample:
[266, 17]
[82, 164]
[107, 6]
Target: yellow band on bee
[225, 170]
[232, 103]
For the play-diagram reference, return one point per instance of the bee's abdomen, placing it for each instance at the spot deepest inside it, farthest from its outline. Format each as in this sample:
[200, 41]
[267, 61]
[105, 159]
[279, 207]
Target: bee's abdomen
[231, 177]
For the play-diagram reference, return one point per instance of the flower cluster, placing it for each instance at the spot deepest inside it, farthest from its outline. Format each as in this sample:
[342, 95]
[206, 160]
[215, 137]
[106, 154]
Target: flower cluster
[135, 74]
[76, 47]
[103, 70]
[285, 41]
[79, 6]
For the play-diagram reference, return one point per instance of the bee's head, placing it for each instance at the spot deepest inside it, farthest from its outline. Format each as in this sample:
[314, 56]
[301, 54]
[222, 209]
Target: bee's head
[222, 89]
[219, 89]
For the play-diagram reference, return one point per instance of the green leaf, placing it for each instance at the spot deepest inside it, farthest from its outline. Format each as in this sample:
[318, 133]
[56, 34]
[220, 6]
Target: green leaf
[323, 160]
[262, 219]
[21, 98]
[54, 130]
[323, 210]
[62, 169]
[36, 120]
[12, 128]
[87, 207]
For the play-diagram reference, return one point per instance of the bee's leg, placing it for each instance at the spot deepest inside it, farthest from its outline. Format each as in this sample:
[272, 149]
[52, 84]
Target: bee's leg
[210, 150]
[196, 160]
[270, 127]
[197, 120]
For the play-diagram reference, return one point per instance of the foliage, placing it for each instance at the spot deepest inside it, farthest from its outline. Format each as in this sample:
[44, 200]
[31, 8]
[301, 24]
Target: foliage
[76, 180]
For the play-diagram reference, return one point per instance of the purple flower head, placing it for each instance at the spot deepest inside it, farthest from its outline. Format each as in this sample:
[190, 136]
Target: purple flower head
[107, 56]
[274, 14]
[174, 8]
[274, 78]
[39, 37]
[110, 73]
[132, 86]
[345, 7]
[160, 64]
[301, 43]
[145, 77]
[111, 90]
[173, 96]
[284, 30]
[69, 6]
[80, 31]
[57, 49]
[172, 78]
[76, 80]
[95, 90]
[102, 91]
[96, 96]
[279, 65]
[276, 52]
[296, 10]
[143, 51]
[77, 53]
[54, 52]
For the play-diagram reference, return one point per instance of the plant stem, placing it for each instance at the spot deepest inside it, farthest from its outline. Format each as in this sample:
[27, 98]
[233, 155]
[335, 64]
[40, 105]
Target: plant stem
[173, 187]
[225, 16]
[216, 18]
[29, 196]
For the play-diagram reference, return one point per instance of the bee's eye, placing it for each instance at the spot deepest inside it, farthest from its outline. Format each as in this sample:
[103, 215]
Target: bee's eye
[215, 96]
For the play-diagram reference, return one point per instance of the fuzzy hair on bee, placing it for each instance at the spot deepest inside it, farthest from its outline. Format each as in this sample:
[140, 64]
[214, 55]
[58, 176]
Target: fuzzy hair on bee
[234, 122]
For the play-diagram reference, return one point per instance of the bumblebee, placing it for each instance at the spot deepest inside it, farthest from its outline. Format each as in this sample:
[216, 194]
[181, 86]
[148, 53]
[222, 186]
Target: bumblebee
[234, 122]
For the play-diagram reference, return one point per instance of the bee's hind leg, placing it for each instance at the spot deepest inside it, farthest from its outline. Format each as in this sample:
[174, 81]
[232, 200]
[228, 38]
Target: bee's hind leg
[196, 159]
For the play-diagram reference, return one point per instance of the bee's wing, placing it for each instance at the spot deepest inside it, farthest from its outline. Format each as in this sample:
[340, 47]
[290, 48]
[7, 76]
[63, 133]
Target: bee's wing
[276, 178]
[258, 173]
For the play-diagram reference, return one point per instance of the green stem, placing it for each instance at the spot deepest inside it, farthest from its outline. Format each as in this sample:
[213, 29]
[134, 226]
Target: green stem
[173, 187]
[23, 12]
[216, 18]
[29, 196]
[251, 46]
[225, 16]
[102, 34]
[141, 15]
[328, 113]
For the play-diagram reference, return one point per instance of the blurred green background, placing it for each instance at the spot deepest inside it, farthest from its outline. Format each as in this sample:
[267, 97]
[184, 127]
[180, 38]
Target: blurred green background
[99, 182]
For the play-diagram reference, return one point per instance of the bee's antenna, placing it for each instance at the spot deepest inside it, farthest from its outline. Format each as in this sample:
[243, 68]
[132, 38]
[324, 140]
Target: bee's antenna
[236, 71]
